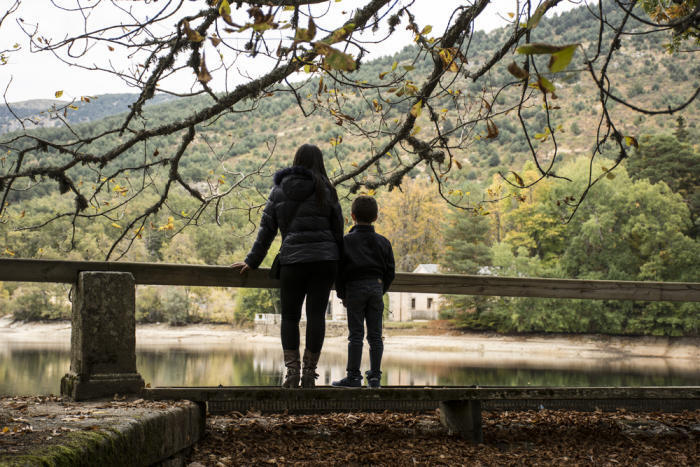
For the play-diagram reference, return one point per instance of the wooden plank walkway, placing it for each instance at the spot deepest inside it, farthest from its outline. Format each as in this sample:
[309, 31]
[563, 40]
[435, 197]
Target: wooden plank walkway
[460, 407]
[37, 270]
[433, 393]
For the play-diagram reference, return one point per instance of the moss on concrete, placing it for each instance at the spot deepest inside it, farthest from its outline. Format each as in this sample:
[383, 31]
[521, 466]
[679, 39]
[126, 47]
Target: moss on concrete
[140, 440]
[75, 450]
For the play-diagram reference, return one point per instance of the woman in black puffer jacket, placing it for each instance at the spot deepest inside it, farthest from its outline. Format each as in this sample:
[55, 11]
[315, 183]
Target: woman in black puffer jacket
[304, 206]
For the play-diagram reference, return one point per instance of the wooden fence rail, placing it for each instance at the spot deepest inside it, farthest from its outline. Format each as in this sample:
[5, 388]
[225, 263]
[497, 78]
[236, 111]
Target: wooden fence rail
[103, 343]
[37, 270]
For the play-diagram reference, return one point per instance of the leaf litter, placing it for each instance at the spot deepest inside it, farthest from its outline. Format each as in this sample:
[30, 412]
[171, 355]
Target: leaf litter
[544, 437]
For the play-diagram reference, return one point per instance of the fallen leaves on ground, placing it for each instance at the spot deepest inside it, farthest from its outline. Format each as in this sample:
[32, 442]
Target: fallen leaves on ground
[545, 437]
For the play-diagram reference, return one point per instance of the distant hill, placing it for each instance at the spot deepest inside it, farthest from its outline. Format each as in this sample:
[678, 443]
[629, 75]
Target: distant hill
[642, 72]
[42, 112]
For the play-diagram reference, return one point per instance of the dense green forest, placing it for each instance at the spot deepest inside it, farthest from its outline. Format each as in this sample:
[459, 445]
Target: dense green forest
[640, 223]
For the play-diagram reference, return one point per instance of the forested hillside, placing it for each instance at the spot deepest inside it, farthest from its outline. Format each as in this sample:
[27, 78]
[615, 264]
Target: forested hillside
[640, 223]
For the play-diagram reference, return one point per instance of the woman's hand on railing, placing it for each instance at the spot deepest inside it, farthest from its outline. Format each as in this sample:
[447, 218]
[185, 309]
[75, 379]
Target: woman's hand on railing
[242, 266]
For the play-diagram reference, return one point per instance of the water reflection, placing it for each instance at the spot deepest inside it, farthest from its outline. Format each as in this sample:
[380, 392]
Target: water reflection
[37, 369]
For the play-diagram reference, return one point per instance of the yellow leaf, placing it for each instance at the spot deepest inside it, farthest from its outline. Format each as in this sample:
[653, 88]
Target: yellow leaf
[426, 30]
[370, 193]
[169, 225]
[417, 108]
[58, 94]
[74, 107]
[394, 65]
[415, 131]
[511, 14]
[354, 164]
[5, 429]
[116, 226]
[11, 253]
[224, 8]
[631, 141]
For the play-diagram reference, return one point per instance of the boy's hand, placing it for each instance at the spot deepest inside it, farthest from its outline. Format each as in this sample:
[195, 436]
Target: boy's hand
[242, 266]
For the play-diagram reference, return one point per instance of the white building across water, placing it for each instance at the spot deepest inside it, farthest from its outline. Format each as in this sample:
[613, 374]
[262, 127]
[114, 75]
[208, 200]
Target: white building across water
[409, 306]
[403, 306]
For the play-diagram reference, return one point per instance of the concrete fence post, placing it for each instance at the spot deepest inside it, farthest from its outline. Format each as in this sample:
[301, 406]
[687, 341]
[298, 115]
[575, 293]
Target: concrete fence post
[103, 337]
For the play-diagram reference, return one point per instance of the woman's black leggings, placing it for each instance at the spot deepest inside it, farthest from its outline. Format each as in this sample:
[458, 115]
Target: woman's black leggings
[312, 281]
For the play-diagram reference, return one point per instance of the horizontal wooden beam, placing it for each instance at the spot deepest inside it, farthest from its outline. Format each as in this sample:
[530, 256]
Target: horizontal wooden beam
[407, 393]
[38, 270]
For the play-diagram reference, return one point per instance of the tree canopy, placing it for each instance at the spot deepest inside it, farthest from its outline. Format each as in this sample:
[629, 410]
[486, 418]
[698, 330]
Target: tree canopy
[446, 93]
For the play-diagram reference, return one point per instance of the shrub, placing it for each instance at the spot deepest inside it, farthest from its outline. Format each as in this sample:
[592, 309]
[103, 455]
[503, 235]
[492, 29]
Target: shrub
[39, 302]
[149, 306]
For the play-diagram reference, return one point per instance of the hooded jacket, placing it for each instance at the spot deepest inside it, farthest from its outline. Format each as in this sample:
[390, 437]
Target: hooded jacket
[366, 255]
[314, 233]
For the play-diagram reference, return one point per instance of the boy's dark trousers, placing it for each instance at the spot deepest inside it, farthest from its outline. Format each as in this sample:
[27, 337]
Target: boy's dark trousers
[364, 302]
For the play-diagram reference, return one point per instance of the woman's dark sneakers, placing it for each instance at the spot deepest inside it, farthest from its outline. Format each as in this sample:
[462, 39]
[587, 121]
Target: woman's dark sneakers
[349, 382]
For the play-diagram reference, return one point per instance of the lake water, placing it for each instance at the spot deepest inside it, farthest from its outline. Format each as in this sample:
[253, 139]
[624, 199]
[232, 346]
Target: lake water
[37, 369]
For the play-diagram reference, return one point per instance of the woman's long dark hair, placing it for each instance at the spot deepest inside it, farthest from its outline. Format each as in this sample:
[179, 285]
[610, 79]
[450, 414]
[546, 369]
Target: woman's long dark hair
[311, 158]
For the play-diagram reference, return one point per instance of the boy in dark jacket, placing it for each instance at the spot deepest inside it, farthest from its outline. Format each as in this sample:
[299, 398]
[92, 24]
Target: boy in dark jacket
[365, 273]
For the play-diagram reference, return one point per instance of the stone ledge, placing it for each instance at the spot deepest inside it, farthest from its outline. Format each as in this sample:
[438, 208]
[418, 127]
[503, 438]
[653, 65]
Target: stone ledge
[108, 436]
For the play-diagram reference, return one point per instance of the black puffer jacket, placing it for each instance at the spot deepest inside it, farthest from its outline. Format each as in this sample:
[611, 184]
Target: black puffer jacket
[315, 233]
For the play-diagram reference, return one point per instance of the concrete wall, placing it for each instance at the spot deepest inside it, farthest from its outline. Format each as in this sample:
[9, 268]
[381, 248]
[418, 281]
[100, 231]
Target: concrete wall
[407, 306]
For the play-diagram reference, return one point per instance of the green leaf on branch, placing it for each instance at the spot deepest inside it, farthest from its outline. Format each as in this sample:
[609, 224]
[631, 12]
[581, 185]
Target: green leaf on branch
[545, 85]
[335, 59]
[306, 35]
[538, 48]
[560, 60]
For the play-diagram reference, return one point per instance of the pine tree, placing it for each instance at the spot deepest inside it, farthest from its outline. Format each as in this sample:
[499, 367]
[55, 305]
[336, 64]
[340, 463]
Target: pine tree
[467, 251]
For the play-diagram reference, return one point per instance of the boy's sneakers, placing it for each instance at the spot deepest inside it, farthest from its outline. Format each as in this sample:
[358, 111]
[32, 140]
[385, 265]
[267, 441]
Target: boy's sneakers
[349, 382]
[374, 380]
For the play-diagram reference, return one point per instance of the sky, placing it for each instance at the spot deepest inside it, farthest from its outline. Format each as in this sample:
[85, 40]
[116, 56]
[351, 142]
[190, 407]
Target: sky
[40, 75]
